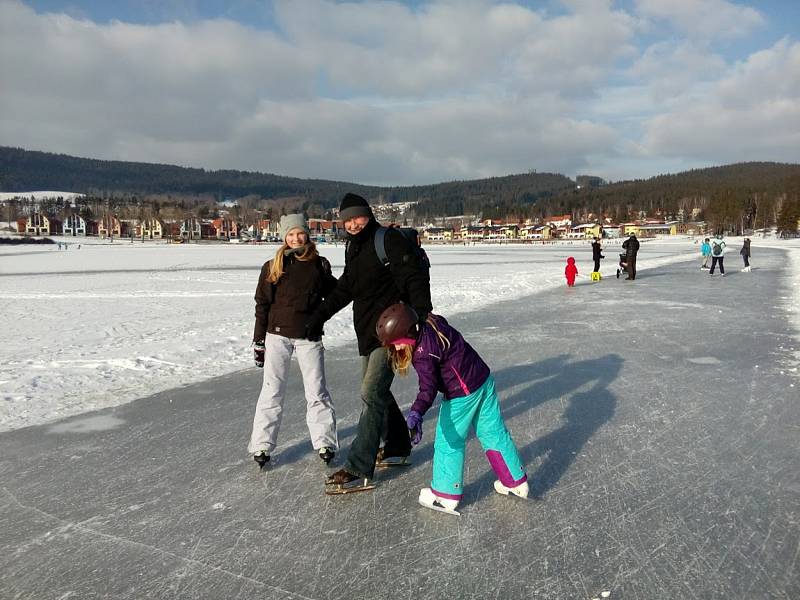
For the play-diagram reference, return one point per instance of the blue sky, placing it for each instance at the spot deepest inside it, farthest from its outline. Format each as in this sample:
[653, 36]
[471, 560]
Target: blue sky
[405, 93]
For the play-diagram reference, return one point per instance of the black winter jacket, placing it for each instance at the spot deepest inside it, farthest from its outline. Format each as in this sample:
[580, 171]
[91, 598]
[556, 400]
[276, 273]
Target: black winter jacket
[597, 251]
[631, 246]
[283, 308]
[745, 251]
[371, 286]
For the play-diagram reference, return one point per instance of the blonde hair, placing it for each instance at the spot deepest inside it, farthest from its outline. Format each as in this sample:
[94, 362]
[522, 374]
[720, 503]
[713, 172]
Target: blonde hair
[276, 268]
[443, 341]
[400, 358]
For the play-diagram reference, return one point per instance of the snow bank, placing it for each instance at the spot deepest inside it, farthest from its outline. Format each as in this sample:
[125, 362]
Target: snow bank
[110, 323]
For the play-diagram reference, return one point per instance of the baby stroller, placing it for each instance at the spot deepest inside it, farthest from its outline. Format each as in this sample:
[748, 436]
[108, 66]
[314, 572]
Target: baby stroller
[623, 266]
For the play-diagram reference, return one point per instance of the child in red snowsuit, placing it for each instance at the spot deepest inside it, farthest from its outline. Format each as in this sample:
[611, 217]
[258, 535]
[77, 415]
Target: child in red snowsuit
[570, 272]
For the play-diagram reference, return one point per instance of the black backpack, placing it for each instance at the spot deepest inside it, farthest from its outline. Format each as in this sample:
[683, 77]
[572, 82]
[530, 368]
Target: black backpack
[412, 235]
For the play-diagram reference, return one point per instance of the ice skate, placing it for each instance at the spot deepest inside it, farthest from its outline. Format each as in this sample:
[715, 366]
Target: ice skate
[262, 459]
[327, 454]
[430, 500]
[344, 482]
[382, 461]
[520, 490]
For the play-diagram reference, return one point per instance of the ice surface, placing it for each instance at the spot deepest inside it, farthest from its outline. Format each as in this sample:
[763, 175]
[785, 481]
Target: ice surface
[658, 476]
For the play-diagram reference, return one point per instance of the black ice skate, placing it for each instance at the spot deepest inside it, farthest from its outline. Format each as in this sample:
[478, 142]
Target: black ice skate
[262, 458]
[326, 454]
[344, 482]
[383, 461]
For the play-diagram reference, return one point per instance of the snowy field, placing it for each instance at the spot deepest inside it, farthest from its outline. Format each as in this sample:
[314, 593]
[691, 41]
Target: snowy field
[109, 323]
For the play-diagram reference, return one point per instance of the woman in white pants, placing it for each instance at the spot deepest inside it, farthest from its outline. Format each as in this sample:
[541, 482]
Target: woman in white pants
[290, 287]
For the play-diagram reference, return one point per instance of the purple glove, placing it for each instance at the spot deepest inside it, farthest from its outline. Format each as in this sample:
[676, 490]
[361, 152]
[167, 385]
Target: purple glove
[258, 354]
[414, 424]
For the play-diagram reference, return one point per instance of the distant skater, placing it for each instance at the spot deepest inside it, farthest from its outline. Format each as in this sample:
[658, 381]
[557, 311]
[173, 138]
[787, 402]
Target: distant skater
[290, 287]
[597, 254]
[705, 251]
[718, 254]
[446, 363]
[745, 252]
[631, 247]
[570, 272]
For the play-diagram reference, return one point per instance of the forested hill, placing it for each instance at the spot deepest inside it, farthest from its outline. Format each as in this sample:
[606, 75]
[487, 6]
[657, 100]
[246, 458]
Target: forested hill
[22, 170]
[725, 189]
[742, 193]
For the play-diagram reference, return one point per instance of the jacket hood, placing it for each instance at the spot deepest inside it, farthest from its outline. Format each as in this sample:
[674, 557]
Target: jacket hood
[571, 261]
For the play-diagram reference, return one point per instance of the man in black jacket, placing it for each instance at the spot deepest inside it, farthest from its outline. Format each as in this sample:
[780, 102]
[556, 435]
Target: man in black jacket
[631, 246]
[372, 287]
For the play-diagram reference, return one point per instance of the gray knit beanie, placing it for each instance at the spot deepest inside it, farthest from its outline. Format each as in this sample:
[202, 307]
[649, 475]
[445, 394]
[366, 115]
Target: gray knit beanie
[289, 222]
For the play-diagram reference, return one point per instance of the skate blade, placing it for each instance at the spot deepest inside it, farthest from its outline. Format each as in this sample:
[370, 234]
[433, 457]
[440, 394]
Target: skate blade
[401, 461]
[339, 490]
[440, 509]
[529, 497]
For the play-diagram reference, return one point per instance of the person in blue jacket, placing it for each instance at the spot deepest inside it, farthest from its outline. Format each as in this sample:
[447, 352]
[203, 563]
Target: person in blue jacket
[446, 363]
[705, 251]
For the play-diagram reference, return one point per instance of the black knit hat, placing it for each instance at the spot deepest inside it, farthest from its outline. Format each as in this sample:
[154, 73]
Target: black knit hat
[352, 206]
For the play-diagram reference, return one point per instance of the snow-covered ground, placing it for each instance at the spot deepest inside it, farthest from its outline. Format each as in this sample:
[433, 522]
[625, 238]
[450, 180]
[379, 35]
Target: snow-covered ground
[110, 323]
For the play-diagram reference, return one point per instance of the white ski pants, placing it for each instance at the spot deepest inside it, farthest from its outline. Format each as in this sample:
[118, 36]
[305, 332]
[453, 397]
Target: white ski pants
[320, 416]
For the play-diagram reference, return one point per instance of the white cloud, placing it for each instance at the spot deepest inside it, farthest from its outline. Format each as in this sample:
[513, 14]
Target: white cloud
[386, 48]
[382, 92]
[443, 91]
[703, 19]
[672, 68]
[753, 113]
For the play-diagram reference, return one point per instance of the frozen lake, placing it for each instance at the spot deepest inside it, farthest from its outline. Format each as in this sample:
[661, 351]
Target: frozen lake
[109, 323]
[658, 421]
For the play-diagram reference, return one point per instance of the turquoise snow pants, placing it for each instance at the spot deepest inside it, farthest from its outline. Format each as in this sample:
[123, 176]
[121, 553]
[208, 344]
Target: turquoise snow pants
[481, 410]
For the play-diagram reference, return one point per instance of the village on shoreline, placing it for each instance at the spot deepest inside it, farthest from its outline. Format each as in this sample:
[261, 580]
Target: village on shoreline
[70, 225]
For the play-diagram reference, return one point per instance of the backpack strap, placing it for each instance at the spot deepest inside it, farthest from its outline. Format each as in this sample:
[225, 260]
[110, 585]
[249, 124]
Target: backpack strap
[380, 245]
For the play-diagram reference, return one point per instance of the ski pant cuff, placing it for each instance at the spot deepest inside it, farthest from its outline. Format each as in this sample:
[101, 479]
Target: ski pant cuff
[447, 496]
[501, 469]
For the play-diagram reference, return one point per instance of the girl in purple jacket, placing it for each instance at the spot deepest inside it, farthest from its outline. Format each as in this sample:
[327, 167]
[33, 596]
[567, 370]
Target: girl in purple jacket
[446, 363]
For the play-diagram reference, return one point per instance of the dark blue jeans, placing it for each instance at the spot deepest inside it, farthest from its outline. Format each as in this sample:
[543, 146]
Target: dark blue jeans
[380, 415]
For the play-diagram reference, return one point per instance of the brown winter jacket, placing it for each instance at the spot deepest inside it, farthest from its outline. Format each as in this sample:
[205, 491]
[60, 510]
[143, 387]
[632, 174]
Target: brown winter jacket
[283, 308]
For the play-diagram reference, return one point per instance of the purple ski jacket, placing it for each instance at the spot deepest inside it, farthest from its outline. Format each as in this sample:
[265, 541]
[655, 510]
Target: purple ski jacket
[456, 371]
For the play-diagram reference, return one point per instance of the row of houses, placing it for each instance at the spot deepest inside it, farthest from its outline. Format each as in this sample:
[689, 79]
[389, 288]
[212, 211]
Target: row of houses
[110, 226]
[554, 230]
[225, 228]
